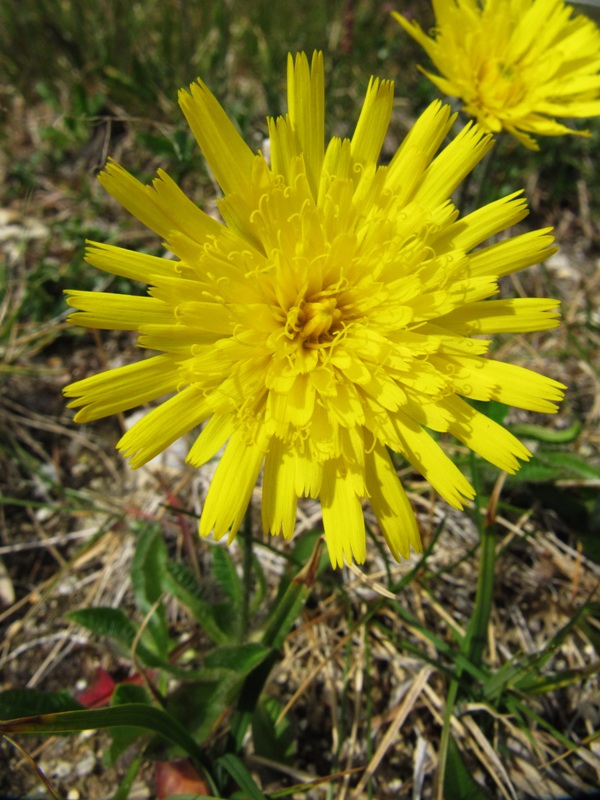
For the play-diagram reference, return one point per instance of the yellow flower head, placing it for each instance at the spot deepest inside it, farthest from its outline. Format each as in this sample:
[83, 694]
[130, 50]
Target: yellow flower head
[336, 313]
[515, 64]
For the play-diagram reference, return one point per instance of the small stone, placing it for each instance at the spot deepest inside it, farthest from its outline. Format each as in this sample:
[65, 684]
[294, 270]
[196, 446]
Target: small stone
[85, 766]
[59, 769]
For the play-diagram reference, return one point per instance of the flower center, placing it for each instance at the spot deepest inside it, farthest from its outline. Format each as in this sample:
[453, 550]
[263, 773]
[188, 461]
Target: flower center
[500, 85]
[313, 321]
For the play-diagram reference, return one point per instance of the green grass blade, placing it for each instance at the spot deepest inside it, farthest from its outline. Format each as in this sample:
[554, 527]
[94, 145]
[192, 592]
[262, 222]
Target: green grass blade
[126, 784]
[130, 715]
[524, 674]
[234, 767]
[477, 632]
[458, 782]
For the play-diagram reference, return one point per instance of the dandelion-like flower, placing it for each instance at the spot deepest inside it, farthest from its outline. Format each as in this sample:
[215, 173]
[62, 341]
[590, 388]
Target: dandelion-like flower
[335, 314]
[515, 64]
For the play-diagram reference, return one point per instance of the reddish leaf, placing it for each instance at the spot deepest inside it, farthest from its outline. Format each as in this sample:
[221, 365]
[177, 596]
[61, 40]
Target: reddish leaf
[101, 690]
[178, 777]
[99, 693]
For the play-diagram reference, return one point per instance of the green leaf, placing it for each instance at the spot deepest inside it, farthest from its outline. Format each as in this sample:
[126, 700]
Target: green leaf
[544, 684]
[130, 693]
[491, 408]
[106, 621]
[147, 570]
[521, 710]
[292, 601]
[551, 465]
[199, 704]
[182, 584]
[226, 575]
[240, 659]
[113, 623]
[458, 782]
[571, 464]
[228, 618]
[124, 737]
[274, 741]
[241, 776]
[475, 641]
[261, 586]
[535, 471]
[30, 702]
[539, 433]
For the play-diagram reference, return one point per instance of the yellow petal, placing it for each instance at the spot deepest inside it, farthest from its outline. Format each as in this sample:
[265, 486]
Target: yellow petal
[454, 162]
[343, 518]
[306, 109]
[279, 497]
[116, 311]
[162, 207]
[215, 433]
[511, 255]
[163, 425]
[479, 225]
[231, 487]
[416, 151]
[390, 505]
[516, 315]
[123, 388]
[430, 460]
[485, 379]
[373, 122]
[484, 436]
[127, 263]
[228, 156]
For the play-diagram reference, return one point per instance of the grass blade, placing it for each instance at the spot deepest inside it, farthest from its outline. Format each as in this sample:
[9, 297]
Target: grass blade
[234, 767]
[130, 715]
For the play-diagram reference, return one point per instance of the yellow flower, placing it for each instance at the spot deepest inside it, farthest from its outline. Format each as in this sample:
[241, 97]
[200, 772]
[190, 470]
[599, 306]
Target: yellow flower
[336, 313]
[515, 64]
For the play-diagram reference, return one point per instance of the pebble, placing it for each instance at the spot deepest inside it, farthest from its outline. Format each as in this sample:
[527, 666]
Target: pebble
[85, 766]
[59, 769]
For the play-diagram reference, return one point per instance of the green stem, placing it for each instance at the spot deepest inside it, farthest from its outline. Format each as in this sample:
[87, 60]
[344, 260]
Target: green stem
[474, 643]
[284, 614]
[477, 632]
[480, 181]
[445, 739]
[247, 571]
[488, 162]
